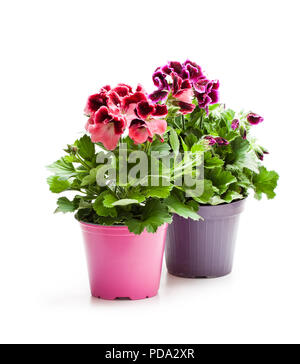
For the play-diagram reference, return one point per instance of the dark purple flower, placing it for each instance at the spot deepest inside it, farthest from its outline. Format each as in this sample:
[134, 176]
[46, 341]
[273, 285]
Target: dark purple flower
[254, 119]
[159, 95]
[159, 80]
[191, 78]
[211, 140]
[221, 141]
[207, 92]
[235, 124]
[193, 69]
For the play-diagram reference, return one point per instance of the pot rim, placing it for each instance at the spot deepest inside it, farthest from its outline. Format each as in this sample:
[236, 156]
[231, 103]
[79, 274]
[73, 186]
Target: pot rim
[223, 211]
[224, 203]
[112, 230]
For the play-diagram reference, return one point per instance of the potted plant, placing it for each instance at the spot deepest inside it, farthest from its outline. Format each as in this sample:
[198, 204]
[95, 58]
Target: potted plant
[123, 207]
[232, 167]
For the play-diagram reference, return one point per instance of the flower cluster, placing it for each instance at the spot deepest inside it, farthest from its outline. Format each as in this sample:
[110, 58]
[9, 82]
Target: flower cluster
[114, 110]
[181, 82]
[216, 140]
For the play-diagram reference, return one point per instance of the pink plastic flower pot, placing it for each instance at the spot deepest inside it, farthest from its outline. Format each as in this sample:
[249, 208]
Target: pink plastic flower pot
[121, 264]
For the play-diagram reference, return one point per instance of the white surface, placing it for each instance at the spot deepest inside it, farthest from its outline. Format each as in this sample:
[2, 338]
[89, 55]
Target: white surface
[53, 55]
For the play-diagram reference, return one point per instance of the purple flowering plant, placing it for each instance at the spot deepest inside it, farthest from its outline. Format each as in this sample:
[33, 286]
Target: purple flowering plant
[233, 160]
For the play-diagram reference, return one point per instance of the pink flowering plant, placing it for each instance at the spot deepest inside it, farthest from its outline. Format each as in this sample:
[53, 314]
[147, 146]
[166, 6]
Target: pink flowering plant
[122, 125]
[102, 181]
[233, 161]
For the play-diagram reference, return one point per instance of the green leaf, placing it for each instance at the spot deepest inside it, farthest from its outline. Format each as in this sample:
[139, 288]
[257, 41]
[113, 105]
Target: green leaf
[228, 114]
[70, 158]
[158, 191]
[172, 116]
[231, 196]
[91, 178]
[57, 185]
[216, 200]
[178, 207]
[174, 140]
[198, 147]
[265, 182]
[102, 210]
[190, 140]
[229, 135]
[220, 179]
[62, 169]
[86, 148]
[214, 107]
[65, 205]
[207, 194]
[109, 199]
[136, 194]
[212, 162]
[125, 202]
[184, 146]
[243, 157]
[158, 146]
[84, 204]
[154, 215]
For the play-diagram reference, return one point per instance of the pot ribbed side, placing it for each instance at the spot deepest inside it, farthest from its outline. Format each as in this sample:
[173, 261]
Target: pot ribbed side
[204, 248]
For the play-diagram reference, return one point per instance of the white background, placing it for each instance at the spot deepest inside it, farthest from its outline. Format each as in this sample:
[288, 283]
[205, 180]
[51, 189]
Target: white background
[53, 55]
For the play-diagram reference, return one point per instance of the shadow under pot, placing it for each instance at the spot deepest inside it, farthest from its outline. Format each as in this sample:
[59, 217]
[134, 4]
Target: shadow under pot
[204, 249]
[123, 265]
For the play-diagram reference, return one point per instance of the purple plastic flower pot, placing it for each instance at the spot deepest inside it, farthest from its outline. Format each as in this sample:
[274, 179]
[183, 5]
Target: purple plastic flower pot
[204, 249]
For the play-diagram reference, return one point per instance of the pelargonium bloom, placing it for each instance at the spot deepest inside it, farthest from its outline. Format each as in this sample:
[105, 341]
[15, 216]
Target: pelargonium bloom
[204, 90]
[235, 124]
[113, 110]
[106, 128]
[182, 91]
[254, 119]
[216, 140]
[148, 122]
[211, 140]
[95, 101]
[221, 141]
[207, 92]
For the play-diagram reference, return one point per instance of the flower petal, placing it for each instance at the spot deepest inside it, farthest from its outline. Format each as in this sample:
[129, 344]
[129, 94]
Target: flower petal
[254, 119]
[160, 110]
[102, 115]
[221, 141]
[235, 124]
[107, 133]
[157, 126]
[200, 85]
[144, 109]
[177, 82]
[185, 95]
[114, 102]
[133, 99]
[138, 131]
[94, 103]
[214, 96]
[159, 80]
[140, 88]
[159, 95]
[177, 67]
[211, 140]
[194, 70]
[186, 108]
[166, 69]
[122, 90]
